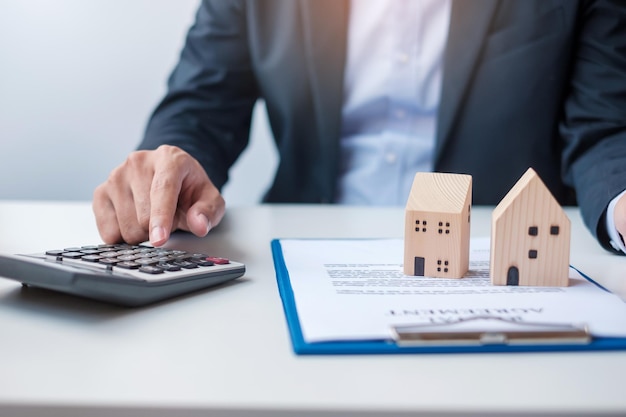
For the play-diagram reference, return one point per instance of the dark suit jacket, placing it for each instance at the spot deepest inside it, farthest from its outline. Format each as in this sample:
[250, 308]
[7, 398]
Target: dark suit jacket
[526, 83]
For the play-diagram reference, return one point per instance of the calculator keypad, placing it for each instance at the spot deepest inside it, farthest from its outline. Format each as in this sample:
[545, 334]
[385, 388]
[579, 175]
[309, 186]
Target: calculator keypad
[144, 262]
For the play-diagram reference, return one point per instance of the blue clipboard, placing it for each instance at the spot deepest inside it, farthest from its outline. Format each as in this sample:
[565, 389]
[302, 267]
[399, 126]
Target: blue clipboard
[384, 346]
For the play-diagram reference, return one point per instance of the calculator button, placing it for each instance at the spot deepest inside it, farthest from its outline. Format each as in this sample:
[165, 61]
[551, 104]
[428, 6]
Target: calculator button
[146, 261]
[186, 264]
[72, 249]
[218, 261]
[164, 259]
[202, 262]
[110, 254]
[91, 258]
[168, 267]
[150, 270]
[109, 261]
[127, 258]
[72, 255]
[90, 251]
[128, 265]
[54, 252]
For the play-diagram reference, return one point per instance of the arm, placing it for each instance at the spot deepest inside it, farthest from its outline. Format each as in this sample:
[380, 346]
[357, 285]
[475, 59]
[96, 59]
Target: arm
[194, 136]
[211, 93]
[593, 127]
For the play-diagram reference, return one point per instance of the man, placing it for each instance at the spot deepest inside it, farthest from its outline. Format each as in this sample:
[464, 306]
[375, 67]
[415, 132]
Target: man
[493, 87]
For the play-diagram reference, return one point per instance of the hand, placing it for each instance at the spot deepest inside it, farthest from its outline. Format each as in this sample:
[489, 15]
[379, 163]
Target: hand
[153, 193]
[620, 216]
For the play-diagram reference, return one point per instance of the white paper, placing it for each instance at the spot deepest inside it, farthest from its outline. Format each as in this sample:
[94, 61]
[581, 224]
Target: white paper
[355, 290]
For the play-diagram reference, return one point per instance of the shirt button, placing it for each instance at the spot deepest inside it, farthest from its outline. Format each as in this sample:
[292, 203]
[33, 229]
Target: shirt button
[400, 114]
[391, 158]
[403, 58]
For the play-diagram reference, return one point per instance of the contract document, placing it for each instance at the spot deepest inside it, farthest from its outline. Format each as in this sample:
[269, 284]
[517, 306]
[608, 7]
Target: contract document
[354, 289]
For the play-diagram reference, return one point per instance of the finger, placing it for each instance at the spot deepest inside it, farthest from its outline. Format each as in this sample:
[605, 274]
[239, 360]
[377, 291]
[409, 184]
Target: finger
[201, 205]
[106, 220]
[205, 213]
[126, 214]
[164, 194]
[123, 202]
[140, 189]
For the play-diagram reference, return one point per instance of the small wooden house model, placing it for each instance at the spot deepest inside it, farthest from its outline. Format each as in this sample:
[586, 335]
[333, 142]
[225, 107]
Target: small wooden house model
[530, 237]
[437, 225]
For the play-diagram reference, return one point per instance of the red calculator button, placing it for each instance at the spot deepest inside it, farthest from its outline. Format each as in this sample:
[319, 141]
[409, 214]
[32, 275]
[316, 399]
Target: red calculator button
[218, 261]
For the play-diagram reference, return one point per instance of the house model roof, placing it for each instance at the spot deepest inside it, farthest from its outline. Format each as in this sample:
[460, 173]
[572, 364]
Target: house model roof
[439, 192]
[534, 192]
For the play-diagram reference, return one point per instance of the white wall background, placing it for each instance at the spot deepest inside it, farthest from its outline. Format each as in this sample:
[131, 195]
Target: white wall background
[78, 80]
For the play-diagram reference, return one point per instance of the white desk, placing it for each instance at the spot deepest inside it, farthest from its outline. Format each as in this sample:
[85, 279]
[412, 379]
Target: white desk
[227, 352]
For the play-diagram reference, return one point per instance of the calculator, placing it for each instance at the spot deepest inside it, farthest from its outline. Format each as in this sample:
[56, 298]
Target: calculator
[129, 275]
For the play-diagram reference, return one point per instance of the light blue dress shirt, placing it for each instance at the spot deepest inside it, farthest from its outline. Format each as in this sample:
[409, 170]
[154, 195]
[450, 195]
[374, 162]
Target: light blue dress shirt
[392, 86]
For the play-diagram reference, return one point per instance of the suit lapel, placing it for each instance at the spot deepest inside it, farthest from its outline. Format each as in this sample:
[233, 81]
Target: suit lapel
[325, 25]
[469, 23]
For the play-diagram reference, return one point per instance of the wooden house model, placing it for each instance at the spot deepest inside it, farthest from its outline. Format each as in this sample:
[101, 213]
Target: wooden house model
[530, 237]
[437, 225]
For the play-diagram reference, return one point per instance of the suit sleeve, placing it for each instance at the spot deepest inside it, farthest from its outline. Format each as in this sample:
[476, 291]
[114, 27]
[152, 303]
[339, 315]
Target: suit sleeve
[211, 92]
[593, 127]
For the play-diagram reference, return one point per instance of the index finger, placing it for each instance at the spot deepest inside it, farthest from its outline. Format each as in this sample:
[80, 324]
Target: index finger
[164, 194]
